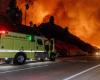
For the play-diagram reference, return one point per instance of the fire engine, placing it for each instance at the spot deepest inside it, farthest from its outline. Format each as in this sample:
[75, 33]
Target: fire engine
[17, 47]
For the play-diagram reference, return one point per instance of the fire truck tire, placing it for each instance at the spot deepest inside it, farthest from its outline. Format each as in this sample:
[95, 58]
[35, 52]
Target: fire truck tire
[52, 56]
[20, 58]
[42, 60]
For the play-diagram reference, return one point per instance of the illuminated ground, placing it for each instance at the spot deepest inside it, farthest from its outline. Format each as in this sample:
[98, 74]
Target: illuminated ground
[63, 69]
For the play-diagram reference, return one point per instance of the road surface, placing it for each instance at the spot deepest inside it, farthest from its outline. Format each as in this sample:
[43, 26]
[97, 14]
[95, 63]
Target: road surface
[63, 69]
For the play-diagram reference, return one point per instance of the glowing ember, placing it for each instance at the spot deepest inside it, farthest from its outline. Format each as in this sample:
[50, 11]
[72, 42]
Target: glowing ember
[81, 16]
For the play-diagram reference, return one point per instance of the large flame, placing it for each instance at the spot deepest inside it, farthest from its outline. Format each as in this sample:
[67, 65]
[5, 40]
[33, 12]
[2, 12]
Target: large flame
[81, 16]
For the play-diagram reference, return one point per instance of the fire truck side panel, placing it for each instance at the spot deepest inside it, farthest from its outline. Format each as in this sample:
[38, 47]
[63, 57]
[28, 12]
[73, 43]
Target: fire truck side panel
[33, 47]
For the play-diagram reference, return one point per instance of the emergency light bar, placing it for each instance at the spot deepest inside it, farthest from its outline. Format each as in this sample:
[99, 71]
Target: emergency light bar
[2, 32]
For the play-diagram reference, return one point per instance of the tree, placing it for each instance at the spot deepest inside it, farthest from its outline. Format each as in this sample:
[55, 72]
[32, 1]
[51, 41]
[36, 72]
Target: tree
[51, 20]
[13, 12]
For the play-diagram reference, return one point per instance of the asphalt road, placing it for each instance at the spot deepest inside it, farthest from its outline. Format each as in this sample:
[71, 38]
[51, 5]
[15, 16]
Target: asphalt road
[62, 69]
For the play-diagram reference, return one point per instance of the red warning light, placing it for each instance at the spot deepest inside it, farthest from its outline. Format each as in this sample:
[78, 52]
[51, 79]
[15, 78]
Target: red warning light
[2, 32]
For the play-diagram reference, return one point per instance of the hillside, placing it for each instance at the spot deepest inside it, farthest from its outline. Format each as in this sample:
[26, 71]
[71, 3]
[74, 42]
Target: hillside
[55, 31]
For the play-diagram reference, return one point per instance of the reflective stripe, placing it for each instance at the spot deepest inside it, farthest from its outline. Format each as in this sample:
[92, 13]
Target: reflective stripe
[20, 50]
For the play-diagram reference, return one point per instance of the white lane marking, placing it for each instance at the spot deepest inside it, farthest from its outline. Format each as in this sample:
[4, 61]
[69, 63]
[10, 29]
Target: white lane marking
[73, 76]
[22, 69]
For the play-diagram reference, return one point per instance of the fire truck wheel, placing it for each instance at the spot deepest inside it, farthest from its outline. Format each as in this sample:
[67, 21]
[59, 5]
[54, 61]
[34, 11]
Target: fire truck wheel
[42, 60]
[19, 58]
[52, 56]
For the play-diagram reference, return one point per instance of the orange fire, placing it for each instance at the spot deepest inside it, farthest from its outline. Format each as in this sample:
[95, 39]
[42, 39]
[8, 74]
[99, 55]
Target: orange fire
[81, 16]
